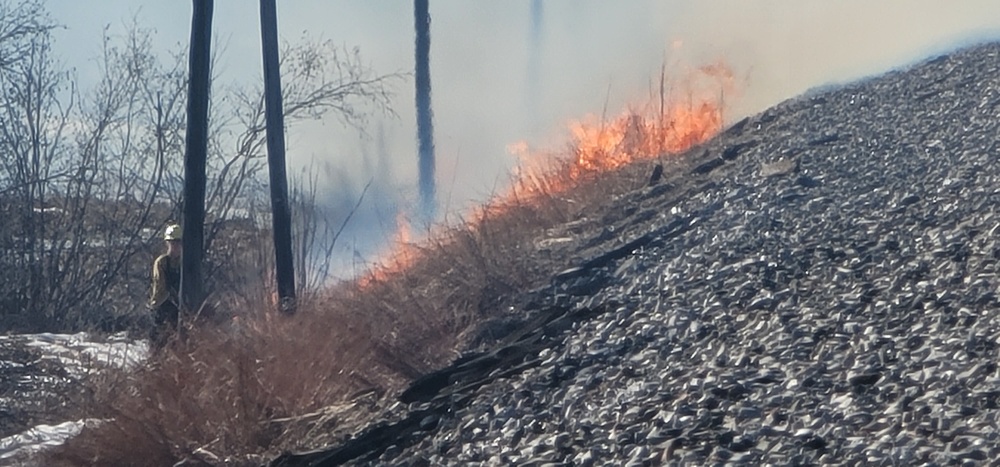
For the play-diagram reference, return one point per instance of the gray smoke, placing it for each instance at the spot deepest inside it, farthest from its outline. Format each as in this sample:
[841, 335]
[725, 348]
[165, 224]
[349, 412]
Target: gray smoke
[506, 71]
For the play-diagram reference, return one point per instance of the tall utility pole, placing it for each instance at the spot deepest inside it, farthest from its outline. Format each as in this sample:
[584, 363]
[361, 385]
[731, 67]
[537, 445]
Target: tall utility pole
[281, 216]
[196, 152]
[533, 84]
[425, 117]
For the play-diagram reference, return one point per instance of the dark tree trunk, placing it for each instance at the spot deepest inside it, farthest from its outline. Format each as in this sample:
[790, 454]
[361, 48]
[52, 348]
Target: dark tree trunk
[196, 154]
[425, 117]
[281, 217]
[533, 75]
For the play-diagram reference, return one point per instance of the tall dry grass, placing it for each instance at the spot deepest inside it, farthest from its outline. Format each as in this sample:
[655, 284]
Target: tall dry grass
[238, 392]
[231, 392]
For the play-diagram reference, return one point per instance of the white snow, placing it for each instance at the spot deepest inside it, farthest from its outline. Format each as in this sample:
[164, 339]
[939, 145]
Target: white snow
[79, 356]
[36, 439]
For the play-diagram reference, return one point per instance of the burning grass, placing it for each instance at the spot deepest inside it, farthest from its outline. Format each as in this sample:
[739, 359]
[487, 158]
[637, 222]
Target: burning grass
[237, 393]
[675, 118]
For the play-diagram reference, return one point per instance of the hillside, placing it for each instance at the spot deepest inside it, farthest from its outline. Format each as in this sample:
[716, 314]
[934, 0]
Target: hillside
[816, 285]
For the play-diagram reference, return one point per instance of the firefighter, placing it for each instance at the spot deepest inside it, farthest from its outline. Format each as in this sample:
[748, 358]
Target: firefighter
[165, 299]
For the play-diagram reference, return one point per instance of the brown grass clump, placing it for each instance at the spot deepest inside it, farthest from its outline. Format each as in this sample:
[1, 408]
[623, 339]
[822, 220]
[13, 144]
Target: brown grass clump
[232, 393]
[236, 393]
[240, 392]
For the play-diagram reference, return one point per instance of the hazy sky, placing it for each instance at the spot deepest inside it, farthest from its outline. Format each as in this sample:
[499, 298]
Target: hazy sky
[499, 77]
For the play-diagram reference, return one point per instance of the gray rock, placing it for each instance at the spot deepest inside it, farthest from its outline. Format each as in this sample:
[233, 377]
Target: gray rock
[837, 313]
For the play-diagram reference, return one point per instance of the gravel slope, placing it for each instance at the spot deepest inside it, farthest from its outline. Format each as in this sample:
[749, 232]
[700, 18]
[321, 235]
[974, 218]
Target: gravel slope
[827, 295]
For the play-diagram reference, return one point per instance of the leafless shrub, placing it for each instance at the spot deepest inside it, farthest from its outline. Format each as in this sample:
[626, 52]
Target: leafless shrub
[90, 177]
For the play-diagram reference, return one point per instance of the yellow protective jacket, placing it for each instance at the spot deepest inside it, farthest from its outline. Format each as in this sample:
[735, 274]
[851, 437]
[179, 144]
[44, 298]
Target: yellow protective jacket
[166, 281]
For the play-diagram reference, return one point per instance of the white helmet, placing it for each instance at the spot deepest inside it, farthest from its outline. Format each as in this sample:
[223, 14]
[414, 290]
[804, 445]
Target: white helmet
[173, 232]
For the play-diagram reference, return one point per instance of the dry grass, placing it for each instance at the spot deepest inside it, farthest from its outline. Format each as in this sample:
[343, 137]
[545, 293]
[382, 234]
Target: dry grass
[234, 393]
[239, 392]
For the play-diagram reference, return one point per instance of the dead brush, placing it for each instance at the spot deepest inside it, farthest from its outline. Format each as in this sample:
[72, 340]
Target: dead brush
[241, 391]
[236, 392]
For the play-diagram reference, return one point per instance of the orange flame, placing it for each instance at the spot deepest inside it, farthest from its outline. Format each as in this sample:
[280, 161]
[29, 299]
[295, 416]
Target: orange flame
[678, 120]
[402, 254]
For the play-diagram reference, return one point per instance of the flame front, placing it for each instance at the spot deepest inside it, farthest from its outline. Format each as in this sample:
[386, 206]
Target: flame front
[680, 116]
[679, 119]
[635, 136]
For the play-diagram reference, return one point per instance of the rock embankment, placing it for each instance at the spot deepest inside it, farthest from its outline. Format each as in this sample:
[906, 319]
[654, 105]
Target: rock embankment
[826, 295]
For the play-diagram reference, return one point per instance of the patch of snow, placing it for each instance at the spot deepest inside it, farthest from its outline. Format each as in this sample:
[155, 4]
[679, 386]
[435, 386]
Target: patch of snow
[36, 439]
[79, 355]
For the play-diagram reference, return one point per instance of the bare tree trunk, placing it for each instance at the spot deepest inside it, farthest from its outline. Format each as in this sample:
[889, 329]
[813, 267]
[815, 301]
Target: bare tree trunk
[425, 117]
[281, 217]
[196, 154]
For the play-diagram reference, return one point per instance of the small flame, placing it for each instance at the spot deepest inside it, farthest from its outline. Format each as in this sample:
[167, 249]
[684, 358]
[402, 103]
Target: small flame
[404, 232]
[402, 254]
